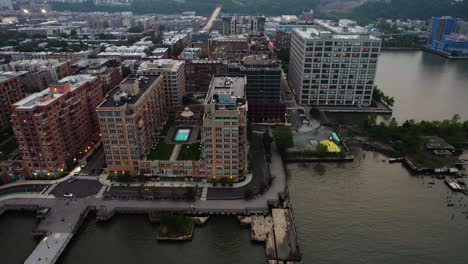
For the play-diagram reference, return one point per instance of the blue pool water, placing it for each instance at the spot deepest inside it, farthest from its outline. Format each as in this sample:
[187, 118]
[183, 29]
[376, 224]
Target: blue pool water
[182, 134]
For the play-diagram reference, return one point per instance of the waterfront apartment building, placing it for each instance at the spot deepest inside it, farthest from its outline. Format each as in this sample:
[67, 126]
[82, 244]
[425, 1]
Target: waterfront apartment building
[11, 91]
[263, 89]
[224, 135]
[441, 26]
[57, 125]
[173, 73]
[329, 68]
[129, 120]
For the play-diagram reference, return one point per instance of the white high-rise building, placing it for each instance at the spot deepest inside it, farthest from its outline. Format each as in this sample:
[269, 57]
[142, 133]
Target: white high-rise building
[173, 72]
[335, 65]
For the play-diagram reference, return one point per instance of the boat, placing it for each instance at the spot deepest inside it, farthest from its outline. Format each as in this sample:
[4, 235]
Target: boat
[395, 160]
[454, 186]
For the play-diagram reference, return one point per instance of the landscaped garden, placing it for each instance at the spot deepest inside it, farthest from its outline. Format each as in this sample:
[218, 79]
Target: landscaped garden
[162, 151]
[190, 152]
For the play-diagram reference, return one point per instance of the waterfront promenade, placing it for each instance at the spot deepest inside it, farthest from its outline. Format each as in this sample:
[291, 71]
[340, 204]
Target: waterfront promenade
[66, 215]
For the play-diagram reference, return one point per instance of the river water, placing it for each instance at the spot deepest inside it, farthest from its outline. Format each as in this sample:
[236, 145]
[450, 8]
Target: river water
[425, 86]
[367, 211]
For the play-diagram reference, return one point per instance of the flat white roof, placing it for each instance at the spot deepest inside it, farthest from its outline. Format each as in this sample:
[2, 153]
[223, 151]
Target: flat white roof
[313, 33]
[32, 100]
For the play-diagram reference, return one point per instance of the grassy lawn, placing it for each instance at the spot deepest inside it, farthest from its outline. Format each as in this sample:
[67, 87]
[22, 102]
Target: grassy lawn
[167, 126]
[6, 147]
[161, 152]
[189, 152]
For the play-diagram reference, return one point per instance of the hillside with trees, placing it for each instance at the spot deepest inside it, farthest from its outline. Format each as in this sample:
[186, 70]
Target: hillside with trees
[414, 9]
[203, 7]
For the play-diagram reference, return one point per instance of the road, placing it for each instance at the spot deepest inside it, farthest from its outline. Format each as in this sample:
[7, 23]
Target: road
[95, 163]
[214, 15]
[80, 188]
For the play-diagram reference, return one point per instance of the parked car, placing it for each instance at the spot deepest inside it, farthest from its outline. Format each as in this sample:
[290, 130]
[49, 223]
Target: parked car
[76, 173]
[68, 195]
[71, 180]
[83, 164]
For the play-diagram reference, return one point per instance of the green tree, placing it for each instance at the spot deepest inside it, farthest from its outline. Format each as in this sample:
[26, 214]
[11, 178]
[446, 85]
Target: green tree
[126, 71]
[155, 192]
[136, 29]
[125, 177]
[314, 112]
[283, 138]
[141, 177]
[190, 194]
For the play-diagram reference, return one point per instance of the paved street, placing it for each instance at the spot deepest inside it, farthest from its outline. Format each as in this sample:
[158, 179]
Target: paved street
[79, 188]
[95, 163]
[25, 188]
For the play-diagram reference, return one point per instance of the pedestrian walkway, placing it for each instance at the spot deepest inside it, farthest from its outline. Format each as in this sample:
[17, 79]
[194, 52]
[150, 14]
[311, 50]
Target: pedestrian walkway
[175, 152]
[204, 193]
[105, 181]
[101, 191]
[89, 178]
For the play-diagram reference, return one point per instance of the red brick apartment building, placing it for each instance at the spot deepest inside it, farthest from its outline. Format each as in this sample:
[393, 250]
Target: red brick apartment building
[129, 119]
[198, 73]
[57, 124]
[11, 91]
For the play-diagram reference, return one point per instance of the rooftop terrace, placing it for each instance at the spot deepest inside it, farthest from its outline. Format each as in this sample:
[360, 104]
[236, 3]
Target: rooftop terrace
[119, 96]
[226, 90]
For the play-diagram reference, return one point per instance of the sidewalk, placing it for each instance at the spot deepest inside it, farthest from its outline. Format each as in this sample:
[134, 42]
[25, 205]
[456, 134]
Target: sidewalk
[104, 181]
[26, 195]
[25, 182]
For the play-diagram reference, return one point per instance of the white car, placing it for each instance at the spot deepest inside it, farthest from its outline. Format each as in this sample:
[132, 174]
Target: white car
[68, 195]
[83, 164]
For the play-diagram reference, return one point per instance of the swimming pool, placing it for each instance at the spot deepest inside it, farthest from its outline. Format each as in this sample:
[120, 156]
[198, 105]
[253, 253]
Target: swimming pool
[182, 134]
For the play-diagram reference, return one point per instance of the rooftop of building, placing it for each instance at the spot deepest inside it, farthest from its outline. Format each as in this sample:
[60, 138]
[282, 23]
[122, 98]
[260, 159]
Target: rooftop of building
[40, 62]
[37, 99]
[160, 50]
[342, 26]
[158, 64]
[6, 75]
[314, 33]
[225, 88]
[192, 50]
[259, 60]
[118, 96]
[242, 37]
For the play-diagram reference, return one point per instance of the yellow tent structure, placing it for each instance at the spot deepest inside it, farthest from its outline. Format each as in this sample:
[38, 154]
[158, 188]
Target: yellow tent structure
[331, 147]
